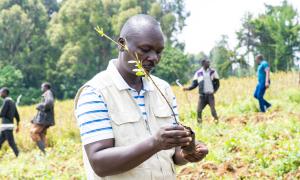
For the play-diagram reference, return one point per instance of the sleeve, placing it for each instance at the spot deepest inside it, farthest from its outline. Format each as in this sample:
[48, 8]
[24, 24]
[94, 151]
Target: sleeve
[216, 84]
[49, 101]
[195, 76]
[17, 116]
[216, 75]
[92, 117]
[4, 109]
[265, 66]
[194, 83]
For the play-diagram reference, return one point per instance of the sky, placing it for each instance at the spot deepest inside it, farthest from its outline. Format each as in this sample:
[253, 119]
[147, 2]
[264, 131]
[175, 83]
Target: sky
[210, 19]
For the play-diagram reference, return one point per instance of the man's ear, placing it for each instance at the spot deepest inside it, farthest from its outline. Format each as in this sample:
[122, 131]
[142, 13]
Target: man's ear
[123, 42]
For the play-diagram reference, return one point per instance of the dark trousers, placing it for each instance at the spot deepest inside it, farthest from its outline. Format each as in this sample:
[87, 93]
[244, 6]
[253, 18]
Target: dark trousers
[259, 95]
[206, 99]
[9, 136]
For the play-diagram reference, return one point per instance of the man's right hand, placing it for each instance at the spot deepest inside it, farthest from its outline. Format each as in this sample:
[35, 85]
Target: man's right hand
[171, 136]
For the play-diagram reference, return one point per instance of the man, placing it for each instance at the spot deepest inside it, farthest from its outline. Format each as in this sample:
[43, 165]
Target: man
[263, 74]
[208, 81]
[126, 127]
[8, 113]
[44, 118]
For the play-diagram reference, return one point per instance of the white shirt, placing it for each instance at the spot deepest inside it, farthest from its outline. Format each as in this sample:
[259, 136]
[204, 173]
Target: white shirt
[208, 86]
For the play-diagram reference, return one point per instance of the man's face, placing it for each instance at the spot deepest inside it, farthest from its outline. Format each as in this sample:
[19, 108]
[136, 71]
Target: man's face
[257, 60]
[43, 88]
[148, 46]
[206, 64]
[2, 94]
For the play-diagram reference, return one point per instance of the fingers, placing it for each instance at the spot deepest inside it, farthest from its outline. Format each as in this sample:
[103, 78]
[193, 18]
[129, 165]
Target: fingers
[191, 158]
[173, 136]
[201, 148]
[179, 141]
[195, 157]
[173, 127]
[176, 133]
[200, 152]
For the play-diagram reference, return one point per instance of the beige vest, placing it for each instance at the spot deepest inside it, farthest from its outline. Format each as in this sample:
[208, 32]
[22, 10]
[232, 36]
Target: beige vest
[129, 127]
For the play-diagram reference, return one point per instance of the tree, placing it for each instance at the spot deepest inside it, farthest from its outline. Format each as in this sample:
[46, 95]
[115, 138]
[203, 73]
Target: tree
[51, 6]
[221, 57]
[173, 65]
[51, 40]
[195, 62]
[274, 34]
[172, 15]
[23, 43]
[81, 52]
[10, 76]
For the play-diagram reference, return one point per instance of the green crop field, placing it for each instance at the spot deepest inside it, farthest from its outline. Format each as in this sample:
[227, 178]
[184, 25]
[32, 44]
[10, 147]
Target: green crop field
[245, 144]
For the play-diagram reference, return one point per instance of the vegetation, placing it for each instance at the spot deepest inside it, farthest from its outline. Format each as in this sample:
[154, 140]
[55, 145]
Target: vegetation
[55, 41]
[245, 144]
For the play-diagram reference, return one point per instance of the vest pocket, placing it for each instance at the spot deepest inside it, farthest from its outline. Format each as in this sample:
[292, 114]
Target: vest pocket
[125, 128]
[120, 118]
[163, 115]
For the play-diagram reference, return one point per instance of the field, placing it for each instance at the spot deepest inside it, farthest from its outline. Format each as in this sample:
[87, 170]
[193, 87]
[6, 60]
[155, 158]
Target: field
[245, 144]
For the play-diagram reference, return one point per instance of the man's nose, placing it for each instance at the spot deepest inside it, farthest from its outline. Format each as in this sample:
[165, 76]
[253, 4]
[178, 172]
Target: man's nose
[153, 56]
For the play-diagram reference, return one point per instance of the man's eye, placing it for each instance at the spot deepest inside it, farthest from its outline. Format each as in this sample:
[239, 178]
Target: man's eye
[145, 50]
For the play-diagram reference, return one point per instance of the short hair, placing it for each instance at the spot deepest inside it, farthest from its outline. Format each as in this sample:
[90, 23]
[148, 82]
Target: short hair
[46, 84]
[5, 89]
[260, 57]
[203, 61]
[134, 24]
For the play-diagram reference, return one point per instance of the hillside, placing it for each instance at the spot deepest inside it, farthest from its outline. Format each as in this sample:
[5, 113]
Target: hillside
[245, 144]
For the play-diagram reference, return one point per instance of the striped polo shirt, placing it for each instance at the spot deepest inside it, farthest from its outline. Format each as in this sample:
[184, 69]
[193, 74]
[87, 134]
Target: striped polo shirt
[93, 116]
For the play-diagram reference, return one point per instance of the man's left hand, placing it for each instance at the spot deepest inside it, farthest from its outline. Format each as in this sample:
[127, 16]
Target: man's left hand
[200, 152]
[267, 85]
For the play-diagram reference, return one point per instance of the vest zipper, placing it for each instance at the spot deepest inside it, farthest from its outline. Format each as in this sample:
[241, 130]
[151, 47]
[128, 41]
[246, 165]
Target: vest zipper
[149, 130]
[148, 126]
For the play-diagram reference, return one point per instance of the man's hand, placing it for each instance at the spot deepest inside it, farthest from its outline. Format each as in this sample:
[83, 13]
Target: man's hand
[267, 85]
[17, 129]
[184, 88]
[200, 153]
[172, 136]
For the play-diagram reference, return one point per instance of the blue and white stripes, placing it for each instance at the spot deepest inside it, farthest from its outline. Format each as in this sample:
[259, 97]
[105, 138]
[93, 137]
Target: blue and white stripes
[140, 101]
[92, 117]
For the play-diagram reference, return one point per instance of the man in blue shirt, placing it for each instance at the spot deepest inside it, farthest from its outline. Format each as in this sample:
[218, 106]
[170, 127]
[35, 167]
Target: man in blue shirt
[263, 74]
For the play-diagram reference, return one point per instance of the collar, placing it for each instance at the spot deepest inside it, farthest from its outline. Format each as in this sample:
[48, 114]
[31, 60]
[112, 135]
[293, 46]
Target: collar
[7, 98]
[120, 82]
[203, 70]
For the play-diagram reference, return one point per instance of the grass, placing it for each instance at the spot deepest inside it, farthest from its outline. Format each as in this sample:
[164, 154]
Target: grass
[244, 145]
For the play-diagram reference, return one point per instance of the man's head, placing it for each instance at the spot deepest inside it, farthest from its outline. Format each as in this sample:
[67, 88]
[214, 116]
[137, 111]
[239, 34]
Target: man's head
[4, 92]
[45, 86]
[259, 58]
[142, 34]
[205, 63]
